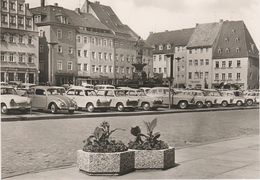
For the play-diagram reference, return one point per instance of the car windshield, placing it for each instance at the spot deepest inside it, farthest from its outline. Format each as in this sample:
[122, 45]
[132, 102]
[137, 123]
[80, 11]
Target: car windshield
[55, 91]
[120, 93]
[90, 93]
[8, 91]
[135, 93]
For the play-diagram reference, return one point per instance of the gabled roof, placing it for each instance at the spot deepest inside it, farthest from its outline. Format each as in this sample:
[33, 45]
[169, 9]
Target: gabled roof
[204, 35]
[234, 36]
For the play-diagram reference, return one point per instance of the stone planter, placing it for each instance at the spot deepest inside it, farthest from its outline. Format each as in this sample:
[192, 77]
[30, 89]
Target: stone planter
[154, 159]
[105, 163]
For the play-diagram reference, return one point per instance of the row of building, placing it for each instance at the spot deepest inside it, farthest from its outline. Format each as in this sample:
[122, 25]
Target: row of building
[90, 44]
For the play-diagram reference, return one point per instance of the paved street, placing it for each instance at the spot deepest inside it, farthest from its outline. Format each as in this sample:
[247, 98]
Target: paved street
[38, 145]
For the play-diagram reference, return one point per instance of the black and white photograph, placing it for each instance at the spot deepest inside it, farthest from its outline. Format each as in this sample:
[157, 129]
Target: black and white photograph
[129, 89]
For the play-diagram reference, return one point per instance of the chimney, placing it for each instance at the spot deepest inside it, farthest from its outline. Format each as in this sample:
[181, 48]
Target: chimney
[85, 7]
[77, 10]
[97, 2]
[27, 6]
[197, 24]
[151, 32]
[42, 3]
[221, 21]
[55, 4]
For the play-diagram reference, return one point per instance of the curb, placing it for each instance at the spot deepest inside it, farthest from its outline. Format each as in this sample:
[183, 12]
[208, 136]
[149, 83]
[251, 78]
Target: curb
[116, 114]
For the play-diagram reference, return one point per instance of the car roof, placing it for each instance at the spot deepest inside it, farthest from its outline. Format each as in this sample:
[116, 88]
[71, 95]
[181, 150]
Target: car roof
[7, 87]
[80, 88]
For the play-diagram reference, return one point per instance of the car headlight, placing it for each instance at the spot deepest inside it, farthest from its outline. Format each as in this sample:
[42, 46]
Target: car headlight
[12, 102]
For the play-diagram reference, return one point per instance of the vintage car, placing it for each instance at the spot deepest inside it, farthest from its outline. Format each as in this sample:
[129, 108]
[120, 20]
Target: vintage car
[104, 86]
[237, 100]
[214, 97]
[251, 97]
[119, 100]
[10, 100]
[145, 102]
[23, 88]
[183, 99]
[51, 98]
[145, 89]
[87, 98]
[198, 97]
[86, 85]
[162, 93]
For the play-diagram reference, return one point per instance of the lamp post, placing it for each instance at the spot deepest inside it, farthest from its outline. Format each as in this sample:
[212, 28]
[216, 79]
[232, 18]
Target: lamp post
[50, 62]
[177, 72]
[170, 78]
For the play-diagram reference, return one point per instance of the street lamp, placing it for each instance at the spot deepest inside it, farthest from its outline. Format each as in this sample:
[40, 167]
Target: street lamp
[50, 62]
[177, 72]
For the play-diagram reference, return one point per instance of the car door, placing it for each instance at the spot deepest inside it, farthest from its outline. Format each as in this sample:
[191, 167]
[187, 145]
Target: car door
[80, 98]
[39, 99]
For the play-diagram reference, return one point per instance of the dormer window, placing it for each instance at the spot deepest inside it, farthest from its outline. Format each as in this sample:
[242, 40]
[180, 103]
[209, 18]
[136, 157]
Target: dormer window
[37, 18]
[62, 19]
[169, 46]
[226, 39]
[227, 50]
[237, 39]
[219, 50]
[160, 47]
[237, 50]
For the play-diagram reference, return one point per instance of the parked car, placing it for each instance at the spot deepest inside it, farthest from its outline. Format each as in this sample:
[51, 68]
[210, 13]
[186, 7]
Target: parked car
[51, 98]
[10, 100]
[183, 99]
[104, 86]
[23, 88]
[87, 98]
[86, 85]
[162, 93]
[237, 100]
[119, 100]
[214, 97]
[3, 84]
[145, 89]
[145, 102]
[14, 84]
[199, 98]
[251, 97]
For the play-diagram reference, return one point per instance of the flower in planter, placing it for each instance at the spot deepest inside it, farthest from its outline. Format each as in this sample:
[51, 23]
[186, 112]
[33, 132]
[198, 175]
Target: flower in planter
[149, 141]
[100, 140]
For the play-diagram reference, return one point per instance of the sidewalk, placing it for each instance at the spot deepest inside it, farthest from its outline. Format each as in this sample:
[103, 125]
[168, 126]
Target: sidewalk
[230, 159]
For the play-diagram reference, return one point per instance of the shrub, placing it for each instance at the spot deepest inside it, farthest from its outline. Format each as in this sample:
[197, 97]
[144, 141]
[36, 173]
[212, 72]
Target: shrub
[101, 142]
[149, 141]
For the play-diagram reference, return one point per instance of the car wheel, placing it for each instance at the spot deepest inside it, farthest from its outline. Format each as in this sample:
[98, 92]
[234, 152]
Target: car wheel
[224, 104]
[71, 111]
[90, 107]
[208, 104]
[183, 105]
[120, 107]
[239, 103]
[249, 102]
[4, 109]
[53, 108]
[146, 106]
[199, 104]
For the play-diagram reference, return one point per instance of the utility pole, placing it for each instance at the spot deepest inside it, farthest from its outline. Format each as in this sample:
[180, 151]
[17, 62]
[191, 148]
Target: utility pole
[50, 62]
[170, 79]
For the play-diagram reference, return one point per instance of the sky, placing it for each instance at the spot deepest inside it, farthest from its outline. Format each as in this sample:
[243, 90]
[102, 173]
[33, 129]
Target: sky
[145, 16]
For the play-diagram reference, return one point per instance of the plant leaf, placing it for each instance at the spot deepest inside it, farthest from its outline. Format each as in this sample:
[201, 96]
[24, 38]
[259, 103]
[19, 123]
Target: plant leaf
[98, 133]
[153, 124]
[156, 135]
[115, 130]
[147, 124]
[135, 130]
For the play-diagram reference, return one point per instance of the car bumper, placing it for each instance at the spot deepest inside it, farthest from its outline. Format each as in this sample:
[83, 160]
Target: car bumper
[68, 108]
[19, 107]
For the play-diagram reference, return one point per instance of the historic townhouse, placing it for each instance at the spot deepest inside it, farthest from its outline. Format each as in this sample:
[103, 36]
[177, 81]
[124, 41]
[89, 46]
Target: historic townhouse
[199, 55]
[124, 42]
[19, 43]
[170, 45]
[236, 57]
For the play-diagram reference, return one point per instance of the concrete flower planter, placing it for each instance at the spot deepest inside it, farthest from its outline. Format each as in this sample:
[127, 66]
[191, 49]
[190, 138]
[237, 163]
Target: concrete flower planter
[105, 163]
[154, 159]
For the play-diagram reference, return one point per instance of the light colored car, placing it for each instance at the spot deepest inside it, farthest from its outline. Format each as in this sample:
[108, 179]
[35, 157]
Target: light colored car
[145, 89]
[10, 100]
[51, 98]
[23, 88]
[251, 97]
[119, 99]
[87, 98]
[194, 97]
[237, 100]
[162, 93]
[86, 85]
[104, 86]
[214, 97]
[145, 102]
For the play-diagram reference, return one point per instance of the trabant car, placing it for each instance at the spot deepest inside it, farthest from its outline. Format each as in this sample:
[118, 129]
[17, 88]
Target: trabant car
[251, 97]
[23, 88]
[104, 86]
[214, 97]
[162, 93]
[194, 97]
[119, 99]
[87, 98]
[237, 100]
[51, 98]
[10, 100]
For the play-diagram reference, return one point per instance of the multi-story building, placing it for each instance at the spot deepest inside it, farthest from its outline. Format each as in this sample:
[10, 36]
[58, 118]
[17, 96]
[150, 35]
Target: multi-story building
[199, 55]
[58, 33]
[19, 43]
[236, 57]
[170, 45]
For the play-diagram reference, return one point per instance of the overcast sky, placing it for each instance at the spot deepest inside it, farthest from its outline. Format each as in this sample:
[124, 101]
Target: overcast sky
[144, 16]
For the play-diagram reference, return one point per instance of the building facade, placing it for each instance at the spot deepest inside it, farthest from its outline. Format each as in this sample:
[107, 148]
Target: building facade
[19, 43]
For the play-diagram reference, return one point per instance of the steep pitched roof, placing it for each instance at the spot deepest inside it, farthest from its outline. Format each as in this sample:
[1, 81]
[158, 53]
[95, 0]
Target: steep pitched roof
[204, 35]
[234, 41]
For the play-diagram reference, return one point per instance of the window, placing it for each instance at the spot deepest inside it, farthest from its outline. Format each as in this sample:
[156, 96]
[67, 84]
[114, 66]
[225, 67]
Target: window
[195, 62]
[207, 49]
[2, 56]
[229, 76]
[122, 58]
[229, 64]
[123, 70]
[28, 22]
[201, 62]
[59, 49]
[85, 40]
[85, 67]
[41, 49]
[160, 47]
[78, 39]
[85, 53]
[160, 70]
[11, 38]
[37, 18]
[190, 62]
[196, 75]
[223, 76]
[165, 70]
[110, 56]
[11, 57]
[99, 55]
[59, 65]
[206, 75]
[201, 75]
[216, 76]
[4, 18]
[12, 6]
[20, 21]
[20, 39]
[190, 51]
[216, 64]
[154, 70]
[93, 68]
[226, 39]
[219, 50]
[79, 67]
[169, 46]
[154, 57]
[110, 69]
[117, 69]
[237, 50]
[105, 69]
[238, 63]
[227, 50]
[79, 53]
[190, 75]
[69, 65]
[207, 62]
[223, 64]
[70, 36]
[4, 4]
[20, 7]
[238, 76]
[70, 50]
[93, 55]
[201, 50]
[96, 40]
[30, 40]
[62, 19]
[105, 56]
[104, 42]
[59, 34]
[160, 57]
[237, 39]
[30, 58]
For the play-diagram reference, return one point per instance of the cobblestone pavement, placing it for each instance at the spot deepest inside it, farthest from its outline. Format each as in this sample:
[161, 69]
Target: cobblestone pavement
[45, 144]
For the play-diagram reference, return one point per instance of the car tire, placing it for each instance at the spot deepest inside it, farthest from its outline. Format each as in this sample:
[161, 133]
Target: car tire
[146, 106]
[199, 104]
[71, 111]
[120, 107]
[53, 108]
[249, 102]
[224, 103]
[208, 104]
[4, 109]
[239, 103]
[183, 105]
[90, 107]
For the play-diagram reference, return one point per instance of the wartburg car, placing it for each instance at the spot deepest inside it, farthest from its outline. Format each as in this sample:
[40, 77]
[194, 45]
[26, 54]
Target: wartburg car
[87, 98]
[52, 99]
[10, 100]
